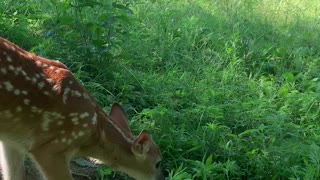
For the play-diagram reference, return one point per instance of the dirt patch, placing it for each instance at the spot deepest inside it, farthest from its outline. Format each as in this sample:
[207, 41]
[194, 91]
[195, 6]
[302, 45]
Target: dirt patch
[81, 169]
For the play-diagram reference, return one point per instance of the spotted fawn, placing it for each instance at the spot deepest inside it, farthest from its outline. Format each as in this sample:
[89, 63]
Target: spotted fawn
[48, 115]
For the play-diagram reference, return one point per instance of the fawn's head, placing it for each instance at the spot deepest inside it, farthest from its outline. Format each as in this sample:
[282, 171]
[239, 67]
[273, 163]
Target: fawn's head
[139, 157]
[146, 159]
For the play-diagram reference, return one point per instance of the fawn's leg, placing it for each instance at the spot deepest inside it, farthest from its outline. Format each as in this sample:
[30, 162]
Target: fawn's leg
[53, 166]
[12, 162]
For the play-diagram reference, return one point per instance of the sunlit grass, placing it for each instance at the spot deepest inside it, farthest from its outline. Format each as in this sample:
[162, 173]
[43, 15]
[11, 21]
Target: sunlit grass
[230, 74]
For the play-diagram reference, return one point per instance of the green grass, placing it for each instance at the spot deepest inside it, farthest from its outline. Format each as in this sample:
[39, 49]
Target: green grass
[232, 86]
[229, 89]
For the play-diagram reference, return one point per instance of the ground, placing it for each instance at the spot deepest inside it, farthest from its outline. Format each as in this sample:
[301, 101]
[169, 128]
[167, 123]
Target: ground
[81, 169]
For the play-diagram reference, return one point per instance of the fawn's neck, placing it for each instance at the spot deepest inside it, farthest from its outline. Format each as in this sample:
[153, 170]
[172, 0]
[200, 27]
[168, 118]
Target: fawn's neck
[115, 141]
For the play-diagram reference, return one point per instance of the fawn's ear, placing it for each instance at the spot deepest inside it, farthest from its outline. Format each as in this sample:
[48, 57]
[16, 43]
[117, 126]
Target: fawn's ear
[118, 117]
[142, 144]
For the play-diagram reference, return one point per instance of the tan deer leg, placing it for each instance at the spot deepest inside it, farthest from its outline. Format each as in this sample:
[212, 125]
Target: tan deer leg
[11, 162]
[52, 166]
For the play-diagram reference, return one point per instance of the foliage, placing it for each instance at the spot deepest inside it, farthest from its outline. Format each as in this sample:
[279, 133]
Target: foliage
[229, 89]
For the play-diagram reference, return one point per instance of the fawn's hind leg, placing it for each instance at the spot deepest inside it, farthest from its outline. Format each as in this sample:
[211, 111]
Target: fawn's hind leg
[12, 162]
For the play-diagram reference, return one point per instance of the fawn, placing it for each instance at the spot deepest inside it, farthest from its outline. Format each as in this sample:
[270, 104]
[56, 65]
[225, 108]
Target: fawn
[47, 114]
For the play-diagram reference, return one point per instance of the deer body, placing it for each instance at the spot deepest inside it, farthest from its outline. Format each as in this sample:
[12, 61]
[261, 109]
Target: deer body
[47, 114]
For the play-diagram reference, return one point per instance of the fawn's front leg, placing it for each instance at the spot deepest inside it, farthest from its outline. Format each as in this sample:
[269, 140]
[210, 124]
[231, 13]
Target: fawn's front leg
[12, 162]
[54, 166]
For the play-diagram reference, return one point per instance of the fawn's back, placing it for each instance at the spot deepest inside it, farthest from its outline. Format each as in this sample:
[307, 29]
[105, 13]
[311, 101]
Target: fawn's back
[45, 112]
[37, 96]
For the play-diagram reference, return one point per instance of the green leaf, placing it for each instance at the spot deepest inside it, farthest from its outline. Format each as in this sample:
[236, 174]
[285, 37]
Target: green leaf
[283, 91]
[288, 76]
[249, 131]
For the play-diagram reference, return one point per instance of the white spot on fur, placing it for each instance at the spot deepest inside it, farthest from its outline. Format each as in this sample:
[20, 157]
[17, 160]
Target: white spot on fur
[9, 59]
[38, 63]
[9, 47]
[85, 95]
[76, 93]
[73, 114]
[50, 80]
[3, 70]
[8, 86]
[74, 135]
[18, 70]
[57, 71]
[18, 109]
[24, 92]
[35, 109]
[56, 88]
[11, 67]
[80, 133]
[21, 54]
[75, 120]
[60, 123]
[26, 101]
[46, 119]
[41, 85]
[34, 80]
[84, 115]
[65, 95]
[52, 68]
[16, 92]
[94, 119]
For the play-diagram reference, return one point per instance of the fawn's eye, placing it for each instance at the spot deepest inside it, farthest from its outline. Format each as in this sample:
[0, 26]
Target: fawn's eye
[158, 164]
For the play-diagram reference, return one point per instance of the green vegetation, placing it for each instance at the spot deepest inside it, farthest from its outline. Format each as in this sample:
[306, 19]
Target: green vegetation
[229, 89]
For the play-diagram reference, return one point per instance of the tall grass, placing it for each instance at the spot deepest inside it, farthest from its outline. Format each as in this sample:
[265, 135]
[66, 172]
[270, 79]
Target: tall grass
[229, 88]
